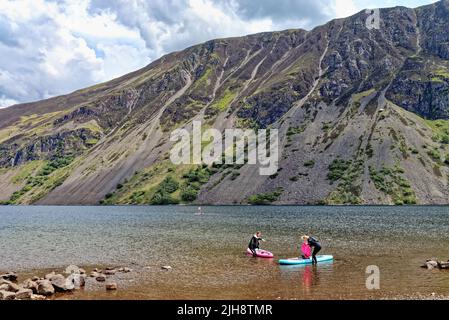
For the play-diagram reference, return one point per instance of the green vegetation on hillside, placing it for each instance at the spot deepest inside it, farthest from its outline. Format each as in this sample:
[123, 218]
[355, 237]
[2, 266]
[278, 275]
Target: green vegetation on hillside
[265, 198]
[338, 168]
[435, 155]
[27, 170]
[225, 101]
[349, 188]
[391, 182]
[164, 191]
[203, 81]
[50, 175]
[309, 164]
[163, 184]
[440, 129]
[295, 130]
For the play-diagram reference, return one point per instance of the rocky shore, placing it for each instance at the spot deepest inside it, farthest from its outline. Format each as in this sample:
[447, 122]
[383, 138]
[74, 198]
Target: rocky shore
[43, 288]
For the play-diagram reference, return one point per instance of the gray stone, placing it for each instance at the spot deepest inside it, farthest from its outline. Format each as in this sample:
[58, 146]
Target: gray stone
[431, 264]
[10, 276]
[30, 284]
[81, 281]
[50, 275]
[6, 295]
[35, 278]
[37, 297]
[24, 294]
[10, 286]
[14, 287]
[45, 288]
[167, 268]
[61, 284]
[78, 281]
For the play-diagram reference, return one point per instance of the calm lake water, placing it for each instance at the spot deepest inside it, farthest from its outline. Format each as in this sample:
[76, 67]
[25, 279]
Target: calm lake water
[207, 252]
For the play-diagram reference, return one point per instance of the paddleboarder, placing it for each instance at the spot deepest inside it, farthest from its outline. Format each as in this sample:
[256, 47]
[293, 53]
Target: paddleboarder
[254, 243]
[315, 244]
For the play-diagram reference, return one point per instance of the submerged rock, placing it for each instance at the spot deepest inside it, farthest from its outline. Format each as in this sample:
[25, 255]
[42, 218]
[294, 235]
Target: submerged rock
[101, 278]
[110, 286]
[109, 272]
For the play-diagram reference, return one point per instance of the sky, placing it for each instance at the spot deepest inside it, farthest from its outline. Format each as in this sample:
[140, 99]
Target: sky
[54, 47]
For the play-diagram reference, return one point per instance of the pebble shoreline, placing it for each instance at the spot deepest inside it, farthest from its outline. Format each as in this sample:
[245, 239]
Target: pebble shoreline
[43, 288]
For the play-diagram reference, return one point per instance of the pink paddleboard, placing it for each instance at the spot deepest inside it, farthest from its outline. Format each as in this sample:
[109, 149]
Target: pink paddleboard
[261, 253]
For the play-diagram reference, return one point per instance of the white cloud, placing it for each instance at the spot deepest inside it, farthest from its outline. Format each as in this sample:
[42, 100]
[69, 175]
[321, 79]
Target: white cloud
[5, 102]
[52, 47]
[344, 8]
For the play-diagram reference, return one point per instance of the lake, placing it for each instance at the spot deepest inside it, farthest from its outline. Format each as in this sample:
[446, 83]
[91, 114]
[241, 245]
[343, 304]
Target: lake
[207, 252]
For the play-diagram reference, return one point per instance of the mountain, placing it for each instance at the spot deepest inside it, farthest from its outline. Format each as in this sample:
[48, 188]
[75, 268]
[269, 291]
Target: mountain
[363, 116]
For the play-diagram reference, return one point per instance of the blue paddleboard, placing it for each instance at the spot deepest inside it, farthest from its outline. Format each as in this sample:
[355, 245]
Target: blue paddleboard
[298, 261]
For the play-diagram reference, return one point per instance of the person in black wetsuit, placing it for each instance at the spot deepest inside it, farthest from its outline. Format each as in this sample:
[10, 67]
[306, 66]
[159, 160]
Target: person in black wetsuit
[315, 244]
[254, 243]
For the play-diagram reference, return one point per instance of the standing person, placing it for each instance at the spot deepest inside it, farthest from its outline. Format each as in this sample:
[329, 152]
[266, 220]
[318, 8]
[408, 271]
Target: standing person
[254, 243]
[315, 244]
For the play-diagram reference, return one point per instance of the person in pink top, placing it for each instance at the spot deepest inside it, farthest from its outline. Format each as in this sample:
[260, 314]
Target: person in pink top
[306, 250]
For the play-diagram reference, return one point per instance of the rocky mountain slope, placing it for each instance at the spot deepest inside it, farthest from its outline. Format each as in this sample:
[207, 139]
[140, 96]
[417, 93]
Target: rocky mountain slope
[363, 117]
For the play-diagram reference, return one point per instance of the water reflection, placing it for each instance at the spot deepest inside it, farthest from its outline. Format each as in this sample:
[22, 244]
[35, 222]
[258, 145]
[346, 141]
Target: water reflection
[308, 276]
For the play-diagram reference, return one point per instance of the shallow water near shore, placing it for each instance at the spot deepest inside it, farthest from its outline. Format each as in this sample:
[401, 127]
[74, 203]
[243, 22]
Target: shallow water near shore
[207, 252]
